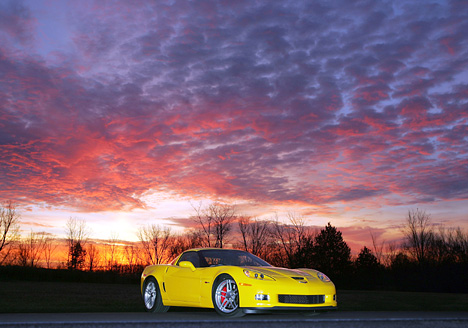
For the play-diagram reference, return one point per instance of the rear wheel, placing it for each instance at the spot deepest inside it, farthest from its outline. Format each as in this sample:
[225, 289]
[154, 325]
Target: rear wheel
[225, 297]
[152, 296]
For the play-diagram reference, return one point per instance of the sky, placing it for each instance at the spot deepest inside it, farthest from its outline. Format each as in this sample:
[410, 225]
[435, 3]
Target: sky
[126, 113]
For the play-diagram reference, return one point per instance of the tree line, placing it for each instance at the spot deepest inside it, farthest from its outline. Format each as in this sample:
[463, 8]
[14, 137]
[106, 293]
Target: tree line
[425, 255]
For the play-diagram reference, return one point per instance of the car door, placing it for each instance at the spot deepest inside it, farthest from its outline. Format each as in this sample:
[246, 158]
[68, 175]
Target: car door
[183, 283]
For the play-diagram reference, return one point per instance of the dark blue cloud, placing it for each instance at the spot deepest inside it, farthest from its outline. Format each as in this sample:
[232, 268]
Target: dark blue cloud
[317, 102]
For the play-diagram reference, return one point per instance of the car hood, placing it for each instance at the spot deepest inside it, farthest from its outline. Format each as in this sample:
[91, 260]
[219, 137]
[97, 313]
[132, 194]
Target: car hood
[275, 272]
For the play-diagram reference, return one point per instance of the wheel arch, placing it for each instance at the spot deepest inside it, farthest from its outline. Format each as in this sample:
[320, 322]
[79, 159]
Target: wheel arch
[155, 271]
[218, 277]
[218, 280]
[237, 273]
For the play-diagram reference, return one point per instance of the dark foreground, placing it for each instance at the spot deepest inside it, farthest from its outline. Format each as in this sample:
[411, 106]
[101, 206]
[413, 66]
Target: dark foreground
[212, 320]
[68, 297]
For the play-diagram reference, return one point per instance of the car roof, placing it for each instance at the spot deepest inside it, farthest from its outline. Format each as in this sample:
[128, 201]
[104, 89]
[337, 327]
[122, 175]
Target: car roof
[212, 248]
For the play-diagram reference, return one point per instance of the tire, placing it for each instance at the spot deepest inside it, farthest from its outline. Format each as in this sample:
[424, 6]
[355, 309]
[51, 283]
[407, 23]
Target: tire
[225, 297]
[152, 296]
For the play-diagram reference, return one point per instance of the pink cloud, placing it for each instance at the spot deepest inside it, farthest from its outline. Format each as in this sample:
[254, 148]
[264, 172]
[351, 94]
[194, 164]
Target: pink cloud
[236, 102]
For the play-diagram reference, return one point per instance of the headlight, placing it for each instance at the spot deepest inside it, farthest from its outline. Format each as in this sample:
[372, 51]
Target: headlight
[257, 275]
[323, 277]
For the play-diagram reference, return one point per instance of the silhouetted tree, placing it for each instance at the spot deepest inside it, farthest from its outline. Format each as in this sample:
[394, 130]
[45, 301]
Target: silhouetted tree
[458, 244]
[49, 249]
[255, 235]
[304, 255]
[30, 249]
[366, 260]
[331, 254]
[378, 249]
[401, 262]
[77, 256]
[368, 269]
[112, 251]
[155, 243]
[131, 257]
[418, 234]
[293, 239]
[223, 216]
[183, 242]
[77, 234]
[93, 256]
[9, 229]
[215, 223]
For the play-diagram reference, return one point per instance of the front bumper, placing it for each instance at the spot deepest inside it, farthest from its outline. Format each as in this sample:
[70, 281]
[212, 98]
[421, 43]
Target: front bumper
[282, 295]
[285, 308]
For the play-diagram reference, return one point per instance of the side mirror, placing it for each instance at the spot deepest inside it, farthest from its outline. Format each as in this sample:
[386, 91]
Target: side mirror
[187, 264]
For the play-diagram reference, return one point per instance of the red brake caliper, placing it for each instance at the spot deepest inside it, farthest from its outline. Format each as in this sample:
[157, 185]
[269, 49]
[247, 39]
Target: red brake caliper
[223, 294]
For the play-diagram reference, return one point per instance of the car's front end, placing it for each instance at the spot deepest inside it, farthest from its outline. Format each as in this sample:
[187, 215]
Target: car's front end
[282, 289]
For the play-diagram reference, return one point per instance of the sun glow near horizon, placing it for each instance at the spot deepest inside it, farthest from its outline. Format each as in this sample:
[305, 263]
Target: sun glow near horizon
[124, 225]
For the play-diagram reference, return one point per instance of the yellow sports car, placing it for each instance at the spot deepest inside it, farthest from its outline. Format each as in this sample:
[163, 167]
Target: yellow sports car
[233, 282]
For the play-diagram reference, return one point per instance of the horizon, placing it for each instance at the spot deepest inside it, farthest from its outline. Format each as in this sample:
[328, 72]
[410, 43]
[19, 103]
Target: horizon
[356, 237]
[126, 114]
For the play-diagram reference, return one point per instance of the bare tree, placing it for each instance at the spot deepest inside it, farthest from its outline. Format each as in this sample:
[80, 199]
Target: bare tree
[378, 248]
[50, 246]
[244, 223]
[9, 229]
[183, 242]
[93, 257]
[223, 215]
[30, 249]
[418, 234]
[255, 235]
[448, 246]
[112, 250]
[215, 222]
[291, 238]
[458, 242]
[391, 253]
[155, 243]
[77, 235]
[131, 257]
[439, 249]
[206, 224]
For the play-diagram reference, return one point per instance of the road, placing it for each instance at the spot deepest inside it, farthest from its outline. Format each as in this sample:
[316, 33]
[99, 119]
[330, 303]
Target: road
[209, 319]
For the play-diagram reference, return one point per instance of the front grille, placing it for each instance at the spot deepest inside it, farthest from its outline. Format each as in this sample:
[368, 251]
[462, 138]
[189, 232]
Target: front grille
[301, 299]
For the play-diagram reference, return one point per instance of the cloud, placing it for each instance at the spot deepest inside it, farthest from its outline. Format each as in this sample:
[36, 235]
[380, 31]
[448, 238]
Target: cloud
[16, 22]
[243, 101]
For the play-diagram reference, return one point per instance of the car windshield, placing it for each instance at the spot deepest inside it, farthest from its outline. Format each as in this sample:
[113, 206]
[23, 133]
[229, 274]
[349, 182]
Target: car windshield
[214, 257]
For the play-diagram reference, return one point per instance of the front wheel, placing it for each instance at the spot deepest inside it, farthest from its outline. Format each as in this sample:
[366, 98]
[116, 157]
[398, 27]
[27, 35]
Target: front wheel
[225, 297]
[152, 296]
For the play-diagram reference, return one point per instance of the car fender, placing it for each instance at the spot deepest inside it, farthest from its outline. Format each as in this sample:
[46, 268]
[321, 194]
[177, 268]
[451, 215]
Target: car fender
[157, 271]
[209, 278]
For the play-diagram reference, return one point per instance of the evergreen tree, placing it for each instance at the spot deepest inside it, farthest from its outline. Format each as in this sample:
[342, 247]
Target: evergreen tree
[366, 260]
[368, 270]
[78, 255]
[331, 254]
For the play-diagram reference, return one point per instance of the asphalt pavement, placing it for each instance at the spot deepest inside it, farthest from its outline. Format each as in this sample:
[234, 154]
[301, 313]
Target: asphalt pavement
[209, 319]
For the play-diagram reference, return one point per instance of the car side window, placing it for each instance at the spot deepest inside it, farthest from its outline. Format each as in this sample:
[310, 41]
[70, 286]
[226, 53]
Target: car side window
[191, 257]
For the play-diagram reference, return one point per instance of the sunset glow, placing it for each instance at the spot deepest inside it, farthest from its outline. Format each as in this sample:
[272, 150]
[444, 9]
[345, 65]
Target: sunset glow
[127, 113]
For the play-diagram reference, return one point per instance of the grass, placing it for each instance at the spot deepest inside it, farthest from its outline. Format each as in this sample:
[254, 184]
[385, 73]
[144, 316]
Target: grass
[62, 297]
[354, 300]
[50, 297]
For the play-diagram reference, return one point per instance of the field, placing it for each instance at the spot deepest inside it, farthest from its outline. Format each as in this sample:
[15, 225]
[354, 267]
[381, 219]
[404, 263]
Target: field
[48, 297]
